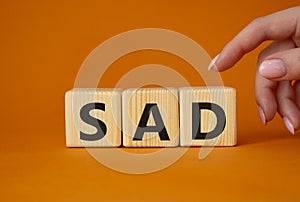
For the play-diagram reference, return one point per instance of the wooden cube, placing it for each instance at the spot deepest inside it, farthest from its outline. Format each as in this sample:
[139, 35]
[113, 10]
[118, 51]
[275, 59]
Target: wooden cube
[208, 116]
[150, 117]
[93, 117]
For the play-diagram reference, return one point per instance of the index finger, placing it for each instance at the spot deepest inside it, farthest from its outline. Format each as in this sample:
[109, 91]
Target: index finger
[277, 26]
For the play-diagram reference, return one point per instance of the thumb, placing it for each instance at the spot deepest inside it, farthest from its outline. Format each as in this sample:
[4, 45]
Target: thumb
[281, 66]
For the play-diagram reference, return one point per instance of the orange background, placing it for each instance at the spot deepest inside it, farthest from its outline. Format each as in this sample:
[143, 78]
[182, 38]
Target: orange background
[43, 44]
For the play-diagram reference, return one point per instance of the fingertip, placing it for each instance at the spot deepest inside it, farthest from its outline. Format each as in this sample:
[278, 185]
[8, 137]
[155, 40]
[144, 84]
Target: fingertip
[287, 106]
[262, 115]
[281, 65]
[269, 110]
[272, 69]
[212, 64]
[265, 97]
[289, 125]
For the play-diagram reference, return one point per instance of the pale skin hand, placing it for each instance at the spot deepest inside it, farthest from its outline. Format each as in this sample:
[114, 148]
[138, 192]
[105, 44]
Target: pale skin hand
[277, 85]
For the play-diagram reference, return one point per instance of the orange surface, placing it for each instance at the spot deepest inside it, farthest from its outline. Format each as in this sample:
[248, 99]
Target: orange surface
[43, 44]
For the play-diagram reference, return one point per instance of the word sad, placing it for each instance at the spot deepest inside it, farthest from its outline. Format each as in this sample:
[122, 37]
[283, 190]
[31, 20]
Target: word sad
[205, 116]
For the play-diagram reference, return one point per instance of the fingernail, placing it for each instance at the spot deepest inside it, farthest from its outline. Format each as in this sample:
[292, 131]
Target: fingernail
[289, 125]
[272, 68]
[211, 65]
[262, 115]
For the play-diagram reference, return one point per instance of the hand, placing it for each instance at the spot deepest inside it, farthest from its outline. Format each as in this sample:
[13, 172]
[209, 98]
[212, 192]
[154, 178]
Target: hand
[277, 84]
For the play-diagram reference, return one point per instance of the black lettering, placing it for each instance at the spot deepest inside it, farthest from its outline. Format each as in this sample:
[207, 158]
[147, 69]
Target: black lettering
[159, 127]
[196, 120]
[87, 118]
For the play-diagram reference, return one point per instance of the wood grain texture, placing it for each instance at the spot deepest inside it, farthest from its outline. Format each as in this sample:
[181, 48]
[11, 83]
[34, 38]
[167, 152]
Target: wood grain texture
[133, 105]
[222, 96]
[75, 99]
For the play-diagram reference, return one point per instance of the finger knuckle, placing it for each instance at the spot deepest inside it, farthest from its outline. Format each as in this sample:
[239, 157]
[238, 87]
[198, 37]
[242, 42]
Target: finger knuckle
[257, 22]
